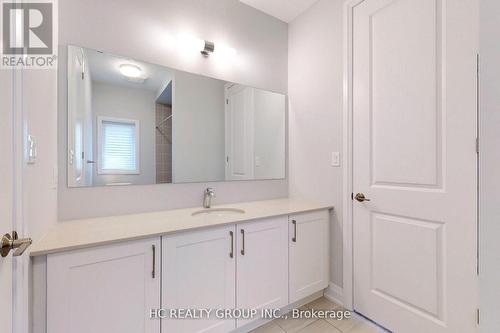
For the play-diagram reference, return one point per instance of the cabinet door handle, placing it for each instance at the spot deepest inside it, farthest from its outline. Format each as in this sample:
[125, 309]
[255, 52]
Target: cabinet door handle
[231, 254]
[242, 242]
[153, 273]
[294, 238]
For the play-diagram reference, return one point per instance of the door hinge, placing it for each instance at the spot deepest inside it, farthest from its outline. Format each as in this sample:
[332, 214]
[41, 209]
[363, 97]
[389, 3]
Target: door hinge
[478, 64]
[477, 145]
[477, 317]
[227, 101]
[352, 196]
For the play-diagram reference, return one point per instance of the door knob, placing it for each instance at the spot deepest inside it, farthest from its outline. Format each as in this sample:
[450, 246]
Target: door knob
[361, 197]
[13, 242]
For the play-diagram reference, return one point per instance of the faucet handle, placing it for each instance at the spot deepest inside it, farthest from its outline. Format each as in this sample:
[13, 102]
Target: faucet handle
[210, 191]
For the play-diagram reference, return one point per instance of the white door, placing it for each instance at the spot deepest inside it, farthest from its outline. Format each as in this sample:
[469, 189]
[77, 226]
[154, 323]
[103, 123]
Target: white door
[79, 119]
[414, 132]
[106, 289]
[198, 272]
[262, 274]
[308, 243]
[239, 133]
[14, 268]
[6, 197]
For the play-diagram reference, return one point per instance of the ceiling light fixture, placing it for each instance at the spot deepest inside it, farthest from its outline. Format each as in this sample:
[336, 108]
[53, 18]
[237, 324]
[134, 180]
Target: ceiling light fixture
[130, 71]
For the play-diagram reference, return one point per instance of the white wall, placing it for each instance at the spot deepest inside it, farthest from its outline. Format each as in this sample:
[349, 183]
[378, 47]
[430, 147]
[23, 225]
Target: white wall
[138, 29]
[490, 165]
[197, 129]
[133, 104]
[315, 90]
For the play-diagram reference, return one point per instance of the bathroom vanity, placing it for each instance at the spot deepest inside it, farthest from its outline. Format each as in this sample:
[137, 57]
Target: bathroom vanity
[107, 274]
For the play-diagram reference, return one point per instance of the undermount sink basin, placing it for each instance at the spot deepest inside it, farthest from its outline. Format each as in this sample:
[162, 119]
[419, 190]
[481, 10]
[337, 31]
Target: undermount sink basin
[219, 212]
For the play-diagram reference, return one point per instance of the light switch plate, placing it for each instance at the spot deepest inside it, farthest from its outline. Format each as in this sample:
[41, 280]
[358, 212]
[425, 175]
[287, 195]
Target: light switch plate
[335, 159]
[257, 161]
[32, 149]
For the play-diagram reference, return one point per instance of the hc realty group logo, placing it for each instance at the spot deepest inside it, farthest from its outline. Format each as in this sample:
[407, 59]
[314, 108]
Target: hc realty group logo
[29, 34]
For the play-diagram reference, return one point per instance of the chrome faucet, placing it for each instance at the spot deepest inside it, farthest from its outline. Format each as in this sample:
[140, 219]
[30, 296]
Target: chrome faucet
[207, 197]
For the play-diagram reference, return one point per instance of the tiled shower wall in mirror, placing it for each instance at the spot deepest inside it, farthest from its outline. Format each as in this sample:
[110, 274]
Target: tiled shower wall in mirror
[163, 143]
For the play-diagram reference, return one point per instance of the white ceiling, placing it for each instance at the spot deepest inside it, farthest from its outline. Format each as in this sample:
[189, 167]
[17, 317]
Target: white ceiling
[285, 10]
[106, 68]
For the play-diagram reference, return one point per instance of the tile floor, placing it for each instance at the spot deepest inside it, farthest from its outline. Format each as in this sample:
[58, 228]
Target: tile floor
[355, 324]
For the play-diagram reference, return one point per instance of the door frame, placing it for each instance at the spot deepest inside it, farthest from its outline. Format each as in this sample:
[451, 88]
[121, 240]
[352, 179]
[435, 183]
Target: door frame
[21, 268]
[347, 137]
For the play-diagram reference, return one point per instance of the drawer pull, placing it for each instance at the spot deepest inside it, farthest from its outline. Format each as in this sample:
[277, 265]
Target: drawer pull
[231, 254]
[242, 242]
[153, 273]
[294, 238]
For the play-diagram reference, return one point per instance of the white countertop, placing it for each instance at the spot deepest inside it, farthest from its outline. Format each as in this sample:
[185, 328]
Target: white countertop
[86, 233]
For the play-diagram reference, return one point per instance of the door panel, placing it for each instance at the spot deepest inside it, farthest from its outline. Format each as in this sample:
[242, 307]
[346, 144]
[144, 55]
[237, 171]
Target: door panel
[199, 273]
[106, 289]
[404, 66]
[414, 157]
[262, 273]
[412, 245]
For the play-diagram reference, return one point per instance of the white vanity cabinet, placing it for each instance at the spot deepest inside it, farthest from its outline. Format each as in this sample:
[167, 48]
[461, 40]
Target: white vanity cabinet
[308, 251]
[276, 257]
[243, 266]
[262, 265]
[104, 289]
[199, 270]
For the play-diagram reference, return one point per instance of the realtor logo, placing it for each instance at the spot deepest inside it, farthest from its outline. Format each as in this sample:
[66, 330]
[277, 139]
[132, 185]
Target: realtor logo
[28, 34]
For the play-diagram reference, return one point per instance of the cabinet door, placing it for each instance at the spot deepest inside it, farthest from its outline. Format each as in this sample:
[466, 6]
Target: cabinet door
[309, 248]
[262, 266]
[105, 289]
[199, 273]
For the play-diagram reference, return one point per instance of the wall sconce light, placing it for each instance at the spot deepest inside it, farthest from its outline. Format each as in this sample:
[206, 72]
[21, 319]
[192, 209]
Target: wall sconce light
[209, 47]
[188, 44]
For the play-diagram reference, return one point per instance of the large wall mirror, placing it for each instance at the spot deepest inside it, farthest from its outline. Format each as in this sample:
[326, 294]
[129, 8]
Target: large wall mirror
[132, 123]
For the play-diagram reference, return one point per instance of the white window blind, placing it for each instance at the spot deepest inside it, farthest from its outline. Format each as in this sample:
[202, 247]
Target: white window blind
[119, 146]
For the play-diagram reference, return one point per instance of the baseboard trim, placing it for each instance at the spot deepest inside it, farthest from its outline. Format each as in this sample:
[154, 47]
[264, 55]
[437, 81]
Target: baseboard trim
[334, 293]
[260, 322]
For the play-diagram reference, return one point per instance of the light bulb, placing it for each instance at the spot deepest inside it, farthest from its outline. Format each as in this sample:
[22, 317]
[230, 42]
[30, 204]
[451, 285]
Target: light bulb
[189, 43]
[224, 53]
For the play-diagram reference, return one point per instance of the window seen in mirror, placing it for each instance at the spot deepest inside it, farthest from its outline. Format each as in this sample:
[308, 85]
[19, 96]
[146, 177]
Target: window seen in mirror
[118, 146]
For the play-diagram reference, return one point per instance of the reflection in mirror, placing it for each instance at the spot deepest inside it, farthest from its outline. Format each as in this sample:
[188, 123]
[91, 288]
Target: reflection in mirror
[131, 122]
